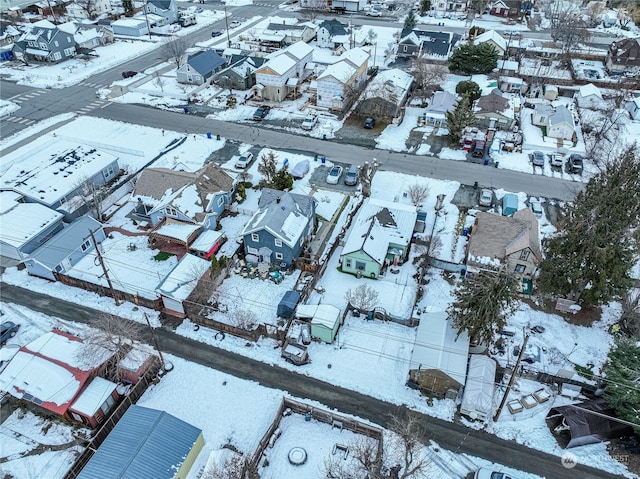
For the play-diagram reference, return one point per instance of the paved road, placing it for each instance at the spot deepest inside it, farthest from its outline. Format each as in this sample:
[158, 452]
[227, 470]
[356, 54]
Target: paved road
[451, 436]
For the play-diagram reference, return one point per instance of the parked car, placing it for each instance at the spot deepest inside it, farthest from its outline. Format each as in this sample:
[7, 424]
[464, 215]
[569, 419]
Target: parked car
[309, 122]
[369, 123]
[373, 13]
[575, 163]
[261, 112]
[351, 178]
[486, 473]
[199, 10]
[478, 149]
[129, 74]
[537, 158]
[244, 160]
[334, 175]
[536, 208]
[8, 330]
[486, 197]
[556, 161]
[235, 24]
[216, 33]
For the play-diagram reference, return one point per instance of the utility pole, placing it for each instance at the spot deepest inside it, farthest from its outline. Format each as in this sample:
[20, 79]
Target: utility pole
[511, 379]
[226, 23]
[104, 268]
[155, 340]
[146, 18]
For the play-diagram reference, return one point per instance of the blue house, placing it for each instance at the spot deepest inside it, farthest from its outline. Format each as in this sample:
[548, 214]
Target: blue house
[24, 227]
[45, 42]
[198, 198]
[200, 67]
[277, 232]
[65, 249]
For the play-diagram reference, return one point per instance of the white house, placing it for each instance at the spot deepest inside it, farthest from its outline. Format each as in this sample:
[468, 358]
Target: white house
[492, 38]
[589, 96]
[560, 124]
[95, 9]
[633, 107]
[283, 72]
[349, 72]
[441, 103]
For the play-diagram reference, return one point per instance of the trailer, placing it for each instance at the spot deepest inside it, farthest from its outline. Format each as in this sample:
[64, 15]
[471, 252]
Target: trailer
[477, 398]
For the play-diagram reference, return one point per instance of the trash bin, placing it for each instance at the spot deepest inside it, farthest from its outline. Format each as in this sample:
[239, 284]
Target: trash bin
[496, 164]
[185, 109]
[315, 157]
[209, 134]
[475, 184]
[324, 136]
[465, 231]
[307, 417]
[486, 160]
[323, 159]
[218, 137]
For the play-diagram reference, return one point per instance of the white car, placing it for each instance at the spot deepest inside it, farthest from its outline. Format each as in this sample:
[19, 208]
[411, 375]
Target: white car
[486, 473]
[235, 24]
[334, 175]
[309, 122]
[486, 197]
[244, 160]
[373, 13]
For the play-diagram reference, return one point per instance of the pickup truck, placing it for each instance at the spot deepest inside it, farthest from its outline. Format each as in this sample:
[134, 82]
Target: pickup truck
[244, 160]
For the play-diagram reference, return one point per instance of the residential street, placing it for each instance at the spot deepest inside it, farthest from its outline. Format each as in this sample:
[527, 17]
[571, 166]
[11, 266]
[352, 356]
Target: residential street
[451, 436]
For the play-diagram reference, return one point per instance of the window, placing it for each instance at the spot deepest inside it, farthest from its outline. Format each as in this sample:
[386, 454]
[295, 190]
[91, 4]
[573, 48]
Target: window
[360, 265]
[43, 46]
[107, 172]
[524, 255]
[69, 52]
[404, 48]
[220, 201]
[347, 262]
[171, 211]
[57, 56]
[255, 237]
[520, 268]
[86, 245]
[59, 268]
[251, 250]
[279, 256]
[278, 242]
[56, 43]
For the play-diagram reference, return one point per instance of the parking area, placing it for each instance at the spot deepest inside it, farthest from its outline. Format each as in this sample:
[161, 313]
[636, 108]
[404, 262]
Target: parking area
[319, 178]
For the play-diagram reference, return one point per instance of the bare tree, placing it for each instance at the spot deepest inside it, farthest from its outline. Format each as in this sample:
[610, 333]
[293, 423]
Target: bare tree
[92, 197]
[418, 193]
[405, 447]
[226, 83]
[363, 297]
[172, 50]
[361, 462]
[602, 132]
[233, 467]
[243, 318]
[114, 335]
[88, 6]
[428, 76]
[594, 11]
[627, 13]
[371, 36]
[569, 29]
[159, 81]
[267, 166]
[365, 175]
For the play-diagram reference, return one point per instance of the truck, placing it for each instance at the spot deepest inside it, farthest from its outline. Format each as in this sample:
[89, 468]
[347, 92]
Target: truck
[187, 18]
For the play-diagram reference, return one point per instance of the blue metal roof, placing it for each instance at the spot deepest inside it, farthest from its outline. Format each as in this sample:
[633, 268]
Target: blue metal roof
[145, 444]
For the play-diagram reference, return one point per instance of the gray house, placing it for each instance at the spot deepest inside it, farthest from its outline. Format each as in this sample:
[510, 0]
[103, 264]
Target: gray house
[276, 233]
[25, 226]
[130, 27]
[200, 67]
[60, 253]
[420, 43]
[241, 74]
[196, 198]
[163, 12]
[45, 42]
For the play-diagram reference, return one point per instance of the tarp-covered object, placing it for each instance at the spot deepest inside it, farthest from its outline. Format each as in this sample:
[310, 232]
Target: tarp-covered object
[577, 425]
[477, 400]
[288, 303]
[301, 169]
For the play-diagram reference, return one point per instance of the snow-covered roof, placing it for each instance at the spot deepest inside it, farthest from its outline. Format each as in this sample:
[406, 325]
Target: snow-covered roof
[436, 347]
[129, 22]
[24, 221]
[68, 27]
[491, 35]
[177, 230]
[298, 50]
[182, 279]
[94, 396]
[280, 64]
[588, 90]
[326, 315]
[390, 84]
[69, 350]
[561, 115]
[356, 56]
[51, 173]
[509, 65]
[341, 71]
[378, 224]
[206, 240]
[442, 102]
[478, 391]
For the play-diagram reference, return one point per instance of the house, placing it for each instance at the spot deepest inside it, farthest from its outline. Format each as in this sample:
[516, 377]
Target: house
[130, 27]
[386, 94]
[325, 320]
[508, 243]
[135, 364]
[500, 8]
[45, 42]
[336, 84]
[289, 33]
[146, 444]
[91, 10]
[207, 243]
[282, 73]
[88, 39]
[560, 124]
[24, 227]
[508, 67]
[60, 175]
[180, 282]
[623, 57]
[200, 67]
[65, 249]
[197, 198]
[510, 84]
[449, 7]
[241, 72]
[633, 107]
[541, 114]
[55, 373]
[332, 34]
[494, 39]
[494, 111]
[589, 96]
[438, 364]
[441, 103]
[380, 236]
[421, 43]
[165, 12]
[348, 5]
[8, 36]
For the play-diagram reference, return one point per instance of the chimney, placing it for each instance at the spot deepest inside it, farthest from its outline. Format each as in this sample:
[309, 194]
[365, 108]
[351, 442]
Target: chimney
[278, 200]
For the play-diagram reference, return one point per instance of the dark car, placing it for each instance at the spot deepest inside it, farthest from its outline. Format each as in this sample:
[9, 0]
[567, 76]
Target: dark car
[575, 163]
[216, 33]
[129, 74]
[8, 330]
[261, 112]
[369, 123]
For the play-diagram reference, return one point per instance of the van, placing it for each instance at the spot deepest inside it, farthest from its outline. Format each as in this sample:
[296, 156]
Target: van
[478, 149]
[351, 177]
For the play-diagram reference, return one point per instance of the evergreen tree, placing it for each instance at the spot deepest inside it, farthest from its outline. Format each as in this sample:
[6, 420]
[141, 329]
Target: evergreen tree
[459, 119]
[471, 59]
[621, 372]
[482, 304]
[591, 255]
[410, 21]
[469, 88]
[283, 180]
[128, 7]
[425, 6]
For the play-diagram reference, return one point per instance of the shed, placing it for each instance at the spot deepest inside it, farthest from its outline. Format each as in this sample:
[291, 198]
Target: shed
[325, 323]
[477, 399]
[288, 304]
[509, 204]
[146, 444]
[588, 422]
[176, 287]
